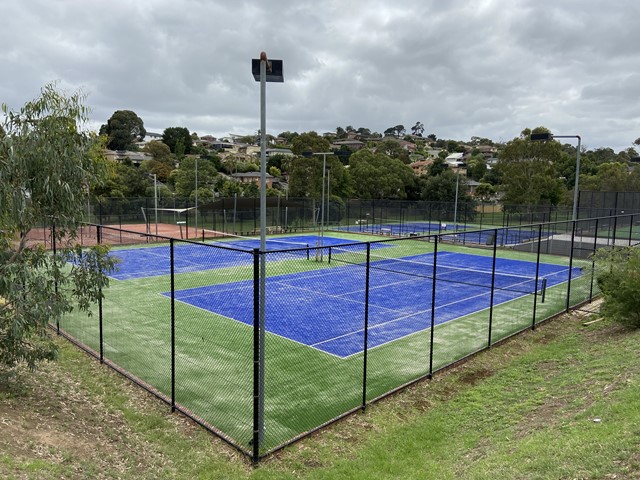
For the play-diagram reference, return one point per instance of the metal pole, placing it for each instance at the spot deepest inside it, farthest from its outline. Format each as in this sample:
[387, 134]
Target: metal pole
[577, 183]
[328, 194]
[173, 324]
[433, 304]
[493, 284]
[573, 240]
[235, 204]
[263, 237]
[155, 197]
[366, 326]
[196, 197]
[257, 392]
[455, 207]
[321, 244]
[535, 288]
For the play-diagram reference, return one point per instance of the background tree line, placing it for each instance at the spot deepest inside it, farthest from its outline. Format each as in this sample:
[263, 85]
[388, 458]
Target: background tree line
[526, 172]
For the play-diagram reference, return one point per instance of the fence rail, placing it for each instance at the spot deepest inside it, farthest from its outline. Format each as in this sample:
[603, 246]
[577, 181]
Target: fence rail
[338, 330]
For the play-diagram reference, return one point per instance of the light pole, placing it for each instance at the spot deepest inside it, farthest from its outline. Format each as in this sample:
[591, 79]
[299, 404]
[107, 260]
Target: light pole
[455, 205]
[320, 242]
[263, 71]
[328, 193]
[543, 137]
[196, 197]
[155, 198]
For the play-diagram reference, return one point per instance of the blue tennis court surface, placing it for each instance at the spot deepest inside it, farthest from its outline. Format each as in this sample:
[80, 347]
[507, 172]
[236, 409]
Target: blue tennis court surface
[189, 257]
[324, 309]
[503, 235]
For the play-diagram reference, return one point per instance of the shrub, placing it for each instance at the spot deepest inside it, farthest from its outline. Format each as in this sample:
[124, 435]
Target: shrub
[618, 276]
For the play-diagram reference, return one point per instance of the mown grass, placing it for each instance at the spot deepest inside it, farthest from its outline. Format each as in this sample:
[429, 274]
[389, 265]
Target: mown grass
[558, 402]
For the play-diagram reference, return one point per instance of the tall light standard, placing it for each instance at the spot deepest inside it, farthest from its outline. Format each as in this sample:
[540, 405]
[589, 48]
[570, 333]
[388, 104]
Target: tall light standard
[320, 242]
[328, 193]
[263, 71]
[196, 197]
[455, 205]
[155, 198]
[543, 137]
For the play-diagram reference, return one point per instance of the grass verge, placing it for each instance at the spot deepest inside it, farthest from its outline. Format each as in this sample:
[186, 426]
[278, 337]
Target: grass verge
[559, 402]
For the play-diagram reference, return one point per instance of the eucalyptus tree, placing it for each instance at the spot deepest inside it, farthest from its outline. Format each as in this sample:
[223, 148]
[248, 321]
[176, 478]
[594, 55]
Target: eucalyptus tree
[47, 160]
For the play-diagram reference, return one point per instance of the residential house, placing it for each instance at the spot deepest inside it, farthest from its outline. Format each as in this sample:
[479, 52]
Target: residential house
[121, 155]
[350, 144]
[421, 167]
[253, 177]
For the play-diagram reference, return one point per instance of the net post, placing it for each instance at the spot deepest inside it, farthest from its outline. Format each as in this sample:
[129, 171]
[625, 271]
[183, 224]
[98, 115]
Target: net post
[433, 305]
[544, 289]
[329, 255]
[308, 253]
[173, 324]
[493, 276]
[535, 287]
[366, 326]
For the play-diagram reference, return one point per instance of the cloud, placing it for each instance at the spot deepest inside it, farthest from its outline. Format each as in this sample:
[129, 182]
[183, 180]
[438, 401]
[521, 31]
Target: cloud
[463, 68]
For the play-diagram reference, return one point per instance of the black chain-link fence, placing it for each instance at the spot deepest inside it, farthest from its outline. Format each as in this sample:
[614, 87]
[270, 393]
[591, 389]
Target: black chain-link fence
[240, 215]
[263, 347]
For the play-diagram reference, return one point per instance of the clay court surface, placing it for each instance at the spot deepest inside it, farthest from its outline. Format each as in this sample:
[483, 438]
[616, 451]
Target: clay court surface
[123, 234]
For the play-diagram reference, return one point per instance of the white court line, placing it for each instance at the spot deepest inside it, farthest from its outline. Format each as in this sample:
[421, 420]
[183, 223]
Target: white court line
[371, 327]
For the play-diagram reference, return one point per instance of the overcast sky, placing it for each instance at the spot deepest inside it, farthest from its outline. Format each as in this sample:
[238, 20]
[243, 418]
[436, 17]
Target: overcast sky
[463, 68]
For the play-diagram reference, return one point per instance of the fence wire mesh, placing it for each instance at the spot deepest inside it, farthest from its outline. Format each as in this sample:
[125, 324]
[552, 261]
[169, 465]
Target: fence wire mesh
[264, 346]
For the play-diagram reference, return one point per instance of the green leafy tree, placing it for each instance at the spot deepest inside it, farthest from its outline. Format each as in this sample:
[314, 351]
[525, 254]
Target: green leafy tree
[178, 140]
[618, 276]
[124, 128]
[305, 177]
[393, 149]
[438, 166]
[288, 136]
[485, 191]
[162, 163]
[442, 188]
[476, 167]
[184, 177]
[310, 142]
[46, 163]
[417, 129]
[529, 172]
[376, 175]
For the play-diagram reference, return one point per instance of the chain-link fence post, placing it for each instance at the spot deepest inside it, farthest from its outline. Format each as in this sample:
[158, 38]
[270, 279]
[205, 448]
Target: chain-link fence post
[433, 304]
[573, 240]
[173, 324]
[493, 290]
[535, 287]
[100, 315]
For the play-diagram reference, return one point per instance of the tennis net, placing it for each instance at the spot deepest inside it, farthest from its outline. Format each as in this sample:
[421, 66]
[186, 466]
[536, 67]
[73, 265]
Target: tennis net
[242, 242]
[415, 267]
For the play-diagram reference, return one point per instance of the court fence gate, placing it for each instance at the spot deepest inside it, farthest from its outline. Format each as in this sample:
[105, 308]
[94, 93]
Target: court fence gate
[263, 348]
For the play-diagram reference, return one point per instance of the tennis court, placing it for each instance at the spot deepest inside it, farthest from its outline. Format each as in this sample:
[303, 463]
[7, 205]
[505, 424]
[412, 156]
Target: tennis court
[151, 261]
[324, 309]
[463, 233]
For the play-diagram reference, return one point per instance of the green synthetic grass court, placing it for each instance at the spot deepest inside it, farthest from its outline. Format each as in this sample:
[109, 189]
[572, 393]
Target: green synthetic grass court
[304, 387]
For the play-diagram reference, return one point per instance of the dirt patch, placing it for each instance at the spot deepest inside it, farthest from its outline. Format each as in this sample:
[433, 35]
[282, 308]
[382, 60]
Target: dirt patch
[473, 376]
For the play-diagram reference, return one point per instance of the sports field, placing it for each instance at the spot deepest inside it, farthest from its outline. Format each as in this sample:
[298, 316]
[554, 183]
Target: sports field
[315, 320]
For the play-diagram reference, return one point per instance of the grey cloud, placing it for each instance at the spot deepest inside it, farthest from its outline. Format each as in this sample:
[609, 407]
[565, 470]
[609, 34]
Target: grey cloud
[463, 68]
